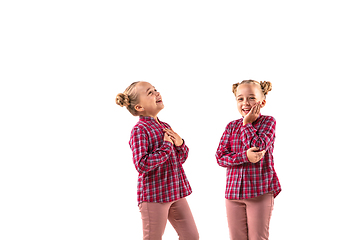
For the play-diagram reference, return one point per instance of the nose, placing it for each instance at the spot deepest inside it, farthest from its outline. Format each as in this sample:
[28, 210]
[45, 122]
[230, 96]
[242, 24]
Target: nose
[246, 102]
[157, 94]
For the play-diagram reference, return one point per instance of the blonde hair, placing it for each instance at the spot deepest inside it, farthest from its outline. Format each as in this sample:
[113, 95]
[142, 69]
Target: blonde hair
[265, 86]
[129, 99]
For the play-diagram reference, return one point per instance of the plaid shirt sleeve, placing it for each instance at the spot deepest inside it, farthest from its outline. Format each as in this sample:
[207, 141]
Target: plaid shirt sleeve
[182, 152]
[261, 137]
[224, 155]
[143, 160]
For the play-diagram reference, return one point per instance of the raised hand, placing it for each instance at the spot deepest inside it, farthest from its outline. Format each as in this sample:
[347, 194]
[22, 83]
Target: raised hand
[168, 138]
[253, 114]
[177, 140]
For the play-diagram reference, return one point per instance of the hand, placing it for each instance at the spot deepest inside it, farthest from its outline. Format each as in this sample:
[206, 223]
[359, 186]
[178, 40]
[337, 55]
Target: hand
[177, 140]
[253, 114]
[253, 155]
[168, 138]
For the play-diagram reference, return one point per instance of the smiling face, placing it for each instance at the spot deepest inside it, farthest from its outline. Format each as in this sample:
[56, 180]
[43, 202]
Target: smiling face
[247, 95]
[150, 101]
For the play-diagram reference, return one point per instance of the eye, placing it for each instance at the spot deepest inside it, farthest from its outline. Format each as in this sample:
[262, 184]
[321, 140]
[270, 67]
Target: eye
[240, 99]
[252, 98]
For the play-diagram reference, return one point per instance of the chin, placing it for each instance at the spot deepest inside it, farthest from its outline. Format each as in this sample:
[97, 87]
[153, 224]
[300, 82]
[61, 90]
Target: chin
[241, 113]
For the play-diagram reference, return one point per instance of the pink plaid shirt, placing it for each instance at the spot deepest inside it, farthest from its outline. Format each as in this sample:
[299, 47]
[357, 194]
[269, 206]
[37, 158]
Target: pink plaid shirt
[245, 179]
[159, 163]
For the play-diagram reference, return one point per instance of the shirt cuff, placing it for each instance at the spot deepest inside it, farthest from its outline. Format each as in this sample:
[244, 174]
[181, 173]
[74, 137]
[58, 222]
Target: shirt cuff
[244, 156]
[167, 144]
[182, 146]
[247, 125]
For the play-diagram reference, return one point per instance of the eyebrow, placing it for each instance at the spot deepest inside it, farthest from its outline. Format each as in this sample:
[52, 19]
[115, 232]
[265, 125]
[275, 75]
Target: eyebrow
[249, 95]
[149, 88]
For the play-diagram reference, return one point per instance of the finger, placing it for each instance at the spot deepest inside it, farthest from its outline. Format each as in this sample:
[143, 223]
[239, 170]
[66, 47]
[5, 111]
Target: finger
[171, 135]
[257, 108]
[168, 135]
[254, 149]
[252, 110]
[257, 111]
[172, 131]
[262, 154]
[169, 130]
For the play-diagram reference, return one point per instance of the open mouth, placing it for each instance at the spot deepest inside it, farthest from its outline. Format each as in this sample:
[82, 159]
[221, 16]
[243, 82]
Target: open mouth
[246, 110]
[159, 101]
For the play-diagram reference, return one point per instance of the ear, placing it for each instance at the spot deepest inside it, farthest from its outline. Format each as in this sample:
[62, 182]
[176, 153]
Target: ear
[262, 104]
[139, 108]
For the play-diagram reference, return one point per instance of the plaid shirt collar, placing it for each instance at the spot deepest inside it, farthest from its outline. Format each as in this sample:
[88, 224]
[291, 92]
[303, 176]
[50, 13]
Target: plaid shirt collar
[151, 120]
[148, 118]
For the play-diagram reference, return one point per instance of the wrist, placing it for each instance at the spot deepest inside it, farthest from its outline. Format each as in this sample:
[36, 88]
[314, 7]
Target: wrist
[181, 143]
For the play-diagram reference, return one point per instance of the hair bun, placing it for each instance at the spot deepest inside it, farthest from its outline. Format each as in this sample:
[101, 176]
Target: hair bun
[122, 100]
[234, 87]
[265, 87]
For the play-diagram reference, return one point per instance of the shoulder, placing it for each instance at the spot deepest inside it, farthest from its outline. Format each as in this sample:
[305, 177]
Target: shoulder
[140, 127]
[267, 122]
[265, 118]
[234, 124]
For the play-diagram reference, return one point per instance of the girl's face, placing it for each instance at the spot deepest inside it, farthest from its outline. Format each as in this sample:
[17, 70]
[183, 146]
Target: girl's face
[150, 102]
[246, 97]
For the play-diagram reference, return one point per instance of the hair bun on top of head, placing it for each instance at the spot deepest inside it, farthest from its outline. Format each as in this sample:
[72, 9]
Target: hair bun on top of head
[265, 87]
[122, 100]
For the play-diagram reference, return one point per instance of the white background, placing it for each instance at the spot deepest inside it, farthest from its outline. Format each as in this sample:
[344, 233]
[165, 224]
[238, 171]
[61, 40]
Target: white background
[66, 169]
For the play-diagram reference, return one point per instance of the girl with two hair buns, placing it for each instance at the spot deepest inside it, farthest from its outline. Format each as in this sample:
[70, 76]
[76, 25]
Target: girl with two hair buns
[246, 150]
[158, 154]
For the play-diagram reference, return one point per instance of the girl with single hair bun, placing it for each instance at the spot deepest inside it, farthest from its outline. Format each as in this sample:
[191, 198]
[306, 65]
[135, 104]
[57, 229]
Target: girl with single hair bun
[246, 150]
[122, 100]
[128, 99]
[158, 155]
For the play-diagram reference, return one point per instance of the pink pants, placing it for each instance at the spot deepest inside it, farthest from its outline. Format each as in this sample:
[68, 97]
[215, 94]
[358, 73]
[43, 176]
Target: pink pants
[155, 215]
[250, 218]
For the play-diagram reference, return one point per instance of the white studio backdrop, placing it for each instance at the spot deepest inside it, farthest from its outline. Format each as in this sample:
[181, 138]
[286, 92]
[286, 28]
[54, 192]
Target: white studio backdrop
[66, 167]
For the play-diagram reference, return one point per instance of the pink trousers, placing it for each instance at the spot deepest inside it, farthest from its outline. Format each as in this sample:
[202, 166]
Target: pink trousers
[250, 218]
[155, 215]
